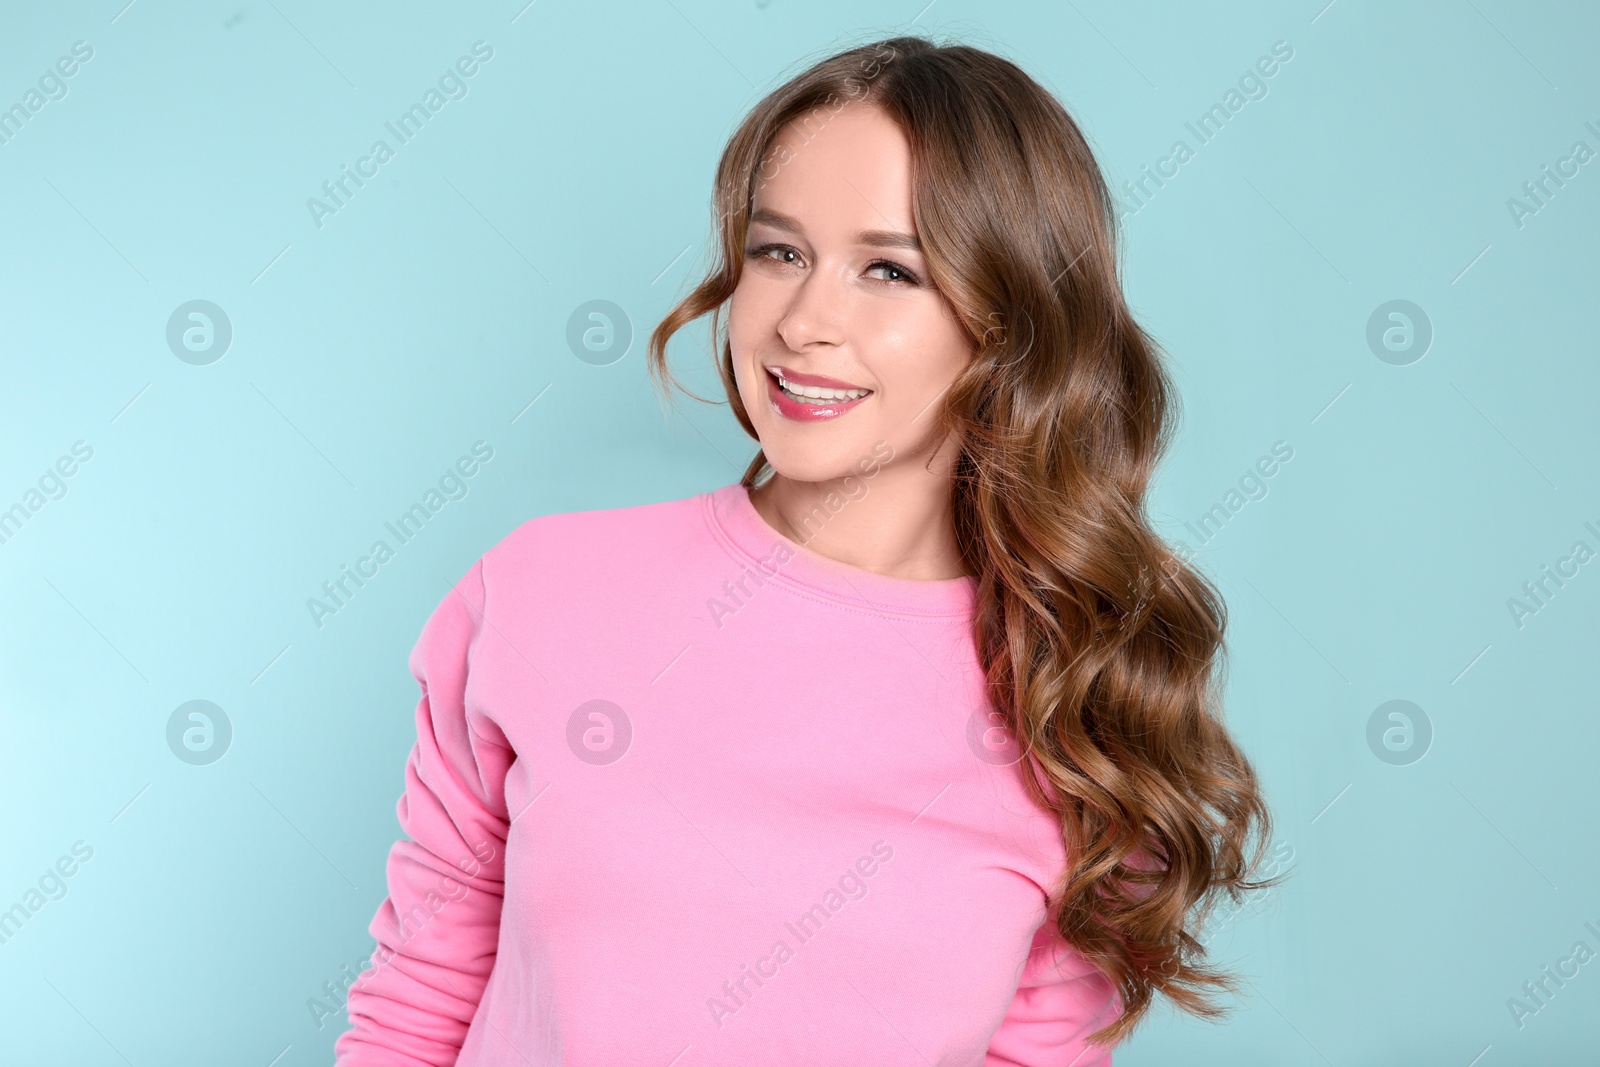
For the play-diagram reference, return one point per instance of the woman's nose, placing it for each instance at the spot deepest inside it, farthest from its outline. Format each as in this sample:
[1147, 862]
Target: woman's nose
[816, 311]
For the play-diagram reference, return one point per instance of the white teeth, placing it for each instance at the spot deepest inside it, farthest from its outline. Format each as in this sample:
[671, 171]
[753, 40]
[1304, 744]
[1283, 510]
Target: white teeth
[816, 393]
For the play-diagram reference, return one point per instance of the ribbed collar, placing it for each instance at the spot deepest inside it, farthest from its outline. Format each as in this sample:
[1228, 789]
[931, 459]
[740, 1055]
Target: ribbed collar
[747, 537]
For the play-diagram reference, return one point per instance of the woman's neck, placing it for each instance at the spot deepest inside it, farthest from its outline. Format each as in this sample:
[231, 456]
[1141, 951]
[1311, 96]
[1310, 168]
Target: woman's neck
[897, 522]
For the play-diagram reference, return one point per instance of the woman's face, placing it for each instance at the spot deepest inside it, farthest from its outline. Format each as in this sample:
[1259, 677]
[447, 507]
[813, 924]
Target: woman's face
[835, 295]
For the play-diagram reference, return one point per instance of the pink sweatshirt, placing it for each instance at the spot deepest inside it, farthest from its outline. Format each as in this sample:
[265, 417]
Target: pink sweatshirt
[687, 793]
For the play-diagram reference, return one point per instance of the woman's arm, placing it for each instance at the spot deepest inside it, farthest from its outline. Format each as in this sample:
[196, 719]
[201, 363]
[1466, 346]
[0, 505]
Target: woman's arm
[1061, 999]
[438, 929]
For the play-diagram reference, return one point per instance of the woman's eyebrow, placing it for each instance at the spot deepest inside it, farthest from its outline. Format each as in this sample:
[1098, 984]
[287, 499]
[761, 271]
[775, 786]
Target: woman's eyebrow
[875, 238]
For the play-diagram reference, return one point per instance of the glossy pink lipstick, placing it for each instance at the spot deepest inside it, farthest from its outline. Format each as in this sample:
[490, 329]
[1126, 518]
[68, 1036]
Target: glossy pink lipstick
[833, 403]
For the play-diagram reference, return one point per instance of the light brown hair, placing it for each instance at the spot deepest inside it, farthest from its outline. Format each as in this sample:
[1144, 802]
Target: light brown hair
[1100, 644]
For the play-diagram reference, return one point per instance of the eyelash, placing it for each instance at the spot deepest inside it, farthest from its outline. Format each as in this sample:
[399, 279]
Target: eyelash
[909, 278]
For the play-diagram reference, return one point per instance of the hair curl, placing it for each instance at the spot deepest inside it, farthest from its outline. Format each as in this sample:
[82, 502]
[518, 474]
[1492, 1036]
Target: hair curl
[1098, 641]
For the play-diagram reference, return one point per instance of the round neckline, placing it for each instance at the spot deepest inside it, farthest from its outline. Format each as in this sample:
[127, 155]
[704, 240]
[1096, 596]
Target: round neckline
[759, 547]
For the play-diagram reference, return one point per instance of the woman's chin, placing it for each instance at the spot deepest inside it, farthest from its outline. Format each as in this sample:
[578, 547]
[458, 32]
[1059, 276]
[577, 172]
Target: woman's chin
[804, 465]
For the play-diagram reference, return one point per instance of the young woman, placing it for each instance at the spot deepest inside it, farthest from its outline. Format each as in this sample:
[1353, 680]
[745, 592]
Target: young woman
[904, 748]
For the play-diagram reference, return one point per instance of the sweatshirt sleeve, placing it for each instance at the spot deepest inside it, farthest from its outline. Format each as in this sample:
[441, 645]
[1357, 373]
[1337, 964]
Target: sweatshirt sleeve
[438, 929]
[1061, 999]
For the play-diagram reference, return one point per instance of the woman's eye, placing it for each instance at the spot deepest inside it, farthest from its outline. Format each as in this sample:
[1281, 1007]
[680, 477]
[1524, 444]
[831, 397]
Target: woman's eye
[763, 251]
[789, 257]
[904, 275]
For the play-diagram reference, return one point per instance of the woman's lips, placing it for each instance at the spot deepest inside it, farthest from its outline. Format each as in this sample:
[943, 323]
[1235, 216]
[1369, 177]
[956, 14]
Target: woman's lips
[794, 377]
[802, 411]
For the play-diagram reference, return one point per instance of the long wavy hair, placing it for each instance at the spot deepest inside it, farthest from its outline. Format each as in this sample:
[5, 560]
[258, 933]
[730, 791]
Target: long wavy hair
[1098, 641]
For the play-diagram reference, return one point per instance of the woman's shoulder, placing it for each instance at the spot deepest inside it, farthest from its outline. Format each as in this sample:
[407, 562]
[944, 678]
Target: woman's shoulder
[575, 539]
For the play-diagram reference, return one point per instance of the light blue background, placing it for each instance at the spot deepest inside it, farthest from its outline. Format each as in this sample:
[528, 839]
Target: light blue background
[429, 313]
